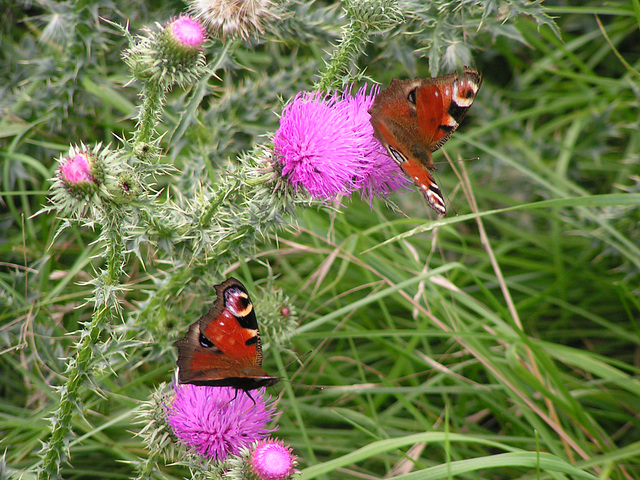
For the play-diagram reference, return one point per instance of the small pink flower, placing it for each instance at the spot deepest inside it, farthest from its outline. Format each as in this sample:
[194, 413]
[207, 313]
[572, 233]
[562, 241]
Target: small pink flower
[218, 421]
[77, 170]
[188, 32]
[171, 55]
[271, 460]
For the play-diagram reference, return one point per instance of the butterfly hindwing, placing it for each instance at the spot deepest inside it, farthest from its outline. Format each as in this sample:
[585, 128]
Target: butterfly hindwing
[223, 348]
[413, 118]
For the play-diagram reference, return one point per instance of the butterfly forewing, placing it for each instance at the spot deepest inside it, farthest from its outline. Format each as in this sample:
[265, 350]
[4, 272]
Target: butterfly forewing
[223, 348]
[430, 105]
[413, 118]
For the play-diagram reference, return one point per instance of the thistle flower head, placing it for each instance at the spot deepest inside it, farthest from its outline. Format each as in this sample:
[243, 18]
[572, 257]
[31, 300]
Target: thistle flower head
[326, 145]
[85, 178]
[171, 55]
[272, 460]
[233, 17]
[187, 33]
[381, 175]
[315, 147]
[77, 174]
[218, 421]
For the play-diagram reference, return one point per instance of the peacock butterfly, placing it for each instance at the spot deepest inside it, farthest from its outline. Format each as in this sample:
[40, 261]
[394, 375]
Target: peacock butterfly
[413, 118]
[223, 348]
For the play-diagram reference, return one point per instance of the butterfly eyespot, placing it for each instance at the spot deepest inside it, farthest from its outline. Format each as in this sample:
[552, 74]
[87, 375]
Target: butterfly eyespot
[205, 342]
[412, 96]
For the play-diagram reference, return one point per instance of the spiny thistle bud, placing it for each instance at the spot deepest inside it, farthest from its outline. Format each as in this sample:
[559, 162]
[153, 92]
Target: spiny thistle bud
[278, 316]
[79, 174]
[233, 17]
[272, 460]
[85, 177]
[376, 15]
[172, 55]
[128, 187]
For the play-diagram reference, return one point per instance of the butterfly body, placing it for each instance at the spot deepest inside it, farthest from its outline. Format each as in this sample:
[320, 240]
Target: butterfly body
[414, 118]
[223, 347]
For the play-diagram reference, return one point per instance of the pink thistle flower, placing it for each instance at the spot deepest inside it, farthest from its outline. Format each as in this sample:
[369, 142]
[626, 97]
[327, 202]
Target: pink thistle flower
[76, 170]
[271, 460]
[326, 145]
[171, 55]
[381, 175]
[85, 181]
[315, 148]
[187, 32]
[218, 421]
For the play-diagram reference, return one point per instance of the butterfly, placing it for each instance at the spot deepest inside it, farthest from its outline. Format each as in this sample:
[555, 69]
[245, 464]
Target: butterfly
[413, 118]
[223, 348]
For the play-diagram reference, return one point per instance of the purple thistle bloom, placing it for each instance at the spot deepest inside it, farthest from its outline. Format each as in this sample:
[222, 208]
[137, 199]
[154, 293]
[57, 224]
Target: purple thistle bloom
[326, 145]
[271, 460]
[314, 146]
[76, 170]
[187, 32]
[218, 421]
[381, 175]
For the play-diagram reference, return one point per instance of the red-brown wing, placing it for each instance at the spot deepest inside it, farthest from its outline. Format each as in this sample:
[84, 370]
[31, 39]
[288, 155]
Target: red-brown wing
[412, 118]
[432, 103]
[442, 103]
[223, 348]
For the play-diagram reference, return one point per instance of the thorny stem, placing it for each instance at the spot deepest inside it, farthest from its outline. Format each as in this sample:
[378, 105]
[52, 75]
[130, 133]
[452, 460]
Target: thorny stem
[57, 449]
[353, 41]
[149, 116]
[205, 220]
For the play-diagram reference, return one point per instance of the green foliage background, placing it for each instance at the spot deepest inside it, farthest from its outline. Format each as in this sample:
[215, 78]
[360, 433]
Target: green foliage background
[498, 342]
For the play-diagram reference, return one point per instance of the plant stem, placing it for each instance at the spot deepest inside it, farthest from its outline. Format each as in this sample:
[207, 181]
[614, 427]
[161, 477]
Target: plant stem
[152, 99]
[353, 41]
[57, 450]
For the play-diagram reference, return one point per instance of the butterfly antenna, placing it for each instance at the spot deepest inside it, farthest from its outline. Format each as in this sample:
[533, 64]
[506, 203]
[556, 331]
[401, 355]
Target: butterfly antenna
[472, 159]
[295, 360]
[312, 387]
[299, 360]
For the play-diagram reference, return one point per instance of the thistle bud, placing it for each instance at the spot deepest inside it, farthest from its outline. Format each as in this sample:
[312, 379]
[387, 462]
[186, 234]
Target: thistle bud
[79, 174]
[171, 55]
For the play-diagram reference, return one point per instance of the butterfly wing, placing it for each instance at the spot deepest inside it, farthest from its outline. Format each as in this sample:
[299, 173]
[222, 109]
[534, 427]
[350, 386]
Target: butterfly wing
[412, 118]
[223, 348]
[442, 103]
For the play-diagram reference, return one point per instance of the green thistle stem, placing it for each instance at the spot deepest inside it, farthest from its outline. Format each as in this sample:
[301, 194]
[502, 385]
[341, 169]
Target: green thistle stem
[367, 18]
[352, 43]
[56, 451]
[205, 220]
[149, 115]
